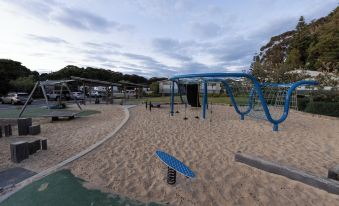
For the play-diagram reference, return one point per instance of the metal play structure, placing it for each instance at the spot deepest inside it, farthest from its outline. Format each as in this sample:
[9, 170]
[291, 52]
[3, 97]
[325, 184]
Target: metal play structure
[268, 101]
[42, 85]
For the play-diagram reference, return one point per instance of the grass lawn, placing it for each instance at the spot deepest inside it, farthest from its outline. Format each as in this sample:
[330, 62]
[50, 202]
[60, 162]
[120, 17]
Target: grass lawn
[215, 100]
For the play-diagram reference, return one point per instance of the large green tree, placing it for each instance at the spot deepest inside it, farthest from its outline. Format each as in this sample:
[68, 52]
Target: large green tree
[23, 84]
[12, 70]
[298, 53]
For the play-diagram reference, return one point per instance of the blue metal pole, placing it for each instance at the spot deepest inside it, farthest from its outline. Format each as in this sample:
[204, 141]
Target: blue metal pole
[204, 103]
[172, 99]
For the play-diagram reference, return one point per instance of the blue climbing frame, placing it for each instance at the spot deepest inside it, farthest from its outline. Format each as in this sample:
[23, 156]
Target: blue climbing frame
[205, 77]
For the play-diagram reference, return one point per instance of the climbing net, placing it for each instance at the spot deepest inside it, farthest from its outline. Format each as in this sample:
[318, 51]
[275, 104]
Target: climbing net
[247, 97]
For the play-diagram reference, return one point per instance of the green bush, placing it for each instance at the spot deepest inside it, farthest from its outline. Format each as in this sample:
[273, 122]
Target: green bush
[302, 103]
[323, 108]
[153, 95]
[325, 96]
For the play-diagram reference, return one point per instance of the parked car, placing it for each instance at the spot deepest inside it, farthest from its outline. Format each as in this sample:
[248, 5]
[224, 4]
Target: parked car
[16, 98]
[78, 95]
[130, 93]
[95, 94]
[55, 95]
[102, 94]
[118, 95]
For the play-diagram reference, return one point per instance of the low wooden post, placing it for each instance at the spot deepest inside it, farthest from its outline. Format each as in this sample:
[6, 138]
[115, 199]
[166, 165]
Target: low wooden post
[10, 130]
[34, 129]
[37, 144]
[55, 119]
[0, 131]
[44, 144]
[323, 183]
[333, 173]
[23, 125]
[34, 146]
[31, 147]
[7, 130]
[19, 151]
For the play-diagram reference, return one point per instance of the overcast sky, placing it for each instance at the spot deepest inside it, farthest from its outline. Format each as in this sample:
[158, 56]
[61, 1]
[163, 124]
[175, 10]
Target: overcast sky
[147, 37]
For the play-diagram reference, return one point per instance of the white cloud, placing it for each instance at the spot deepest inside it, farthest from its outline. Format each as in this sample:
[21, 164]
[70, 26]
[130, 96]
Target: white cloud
[148, 37]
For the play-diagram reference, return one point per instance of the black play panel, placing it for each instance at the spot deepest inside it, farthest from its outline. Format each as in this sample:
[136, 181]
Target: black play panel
[182, 93]
[14, 175]
[193, 95]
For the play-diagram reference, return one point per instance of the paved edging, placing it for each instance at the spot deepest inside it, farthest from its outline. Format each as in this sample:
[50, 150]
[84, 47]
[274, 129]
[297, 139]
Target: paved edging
[57, 167]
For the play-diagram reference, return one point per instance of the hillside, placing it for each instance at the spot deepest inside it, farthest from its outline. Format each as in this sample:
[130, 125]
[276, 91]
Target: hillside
[16, 77]
[313, 46]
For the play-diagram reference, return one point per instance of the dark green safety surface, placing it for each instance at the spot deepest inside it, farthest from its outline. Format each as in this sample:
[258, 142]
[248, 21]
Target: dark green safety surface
[39, 112]
[63, 188]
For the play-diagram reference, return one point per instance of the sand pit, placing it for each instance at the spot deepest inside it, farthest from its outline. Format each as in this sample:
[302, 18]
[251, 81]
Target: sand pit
[65, 138]
[126, 164]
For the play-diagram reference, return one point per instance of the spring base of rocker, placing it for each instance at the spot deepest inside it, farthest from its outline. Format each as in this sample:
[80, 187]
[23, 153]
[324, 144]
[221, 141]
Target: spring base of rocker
[171, 176]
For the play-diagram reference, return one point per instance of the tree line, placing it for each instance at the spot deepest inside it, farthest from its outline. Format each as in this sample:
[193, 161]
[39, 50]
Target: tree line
[16, 77]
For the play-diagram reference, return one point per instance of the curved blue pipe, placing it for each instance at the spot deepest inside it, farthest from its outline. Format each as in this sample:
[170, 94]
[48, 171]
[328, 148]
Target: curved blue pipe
[257, 88]
[234, 103]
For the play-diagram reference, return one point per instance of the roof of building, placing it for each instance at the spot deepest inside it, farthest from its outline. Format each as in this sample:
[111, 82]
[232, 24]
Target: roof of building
[95, 81]
[123, 82]
[54, 82]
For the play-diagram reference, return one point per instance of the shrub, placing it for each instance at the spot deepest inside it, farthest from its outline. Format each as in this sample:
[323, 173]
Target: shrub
[323, 108]
[302, 103]
[325, 96]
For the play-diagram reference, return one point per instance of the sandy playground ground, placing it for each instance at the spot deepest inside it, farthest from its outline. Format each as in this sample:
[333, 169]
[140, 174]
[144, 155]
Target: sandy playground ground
[65, 138]
[126, 164]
